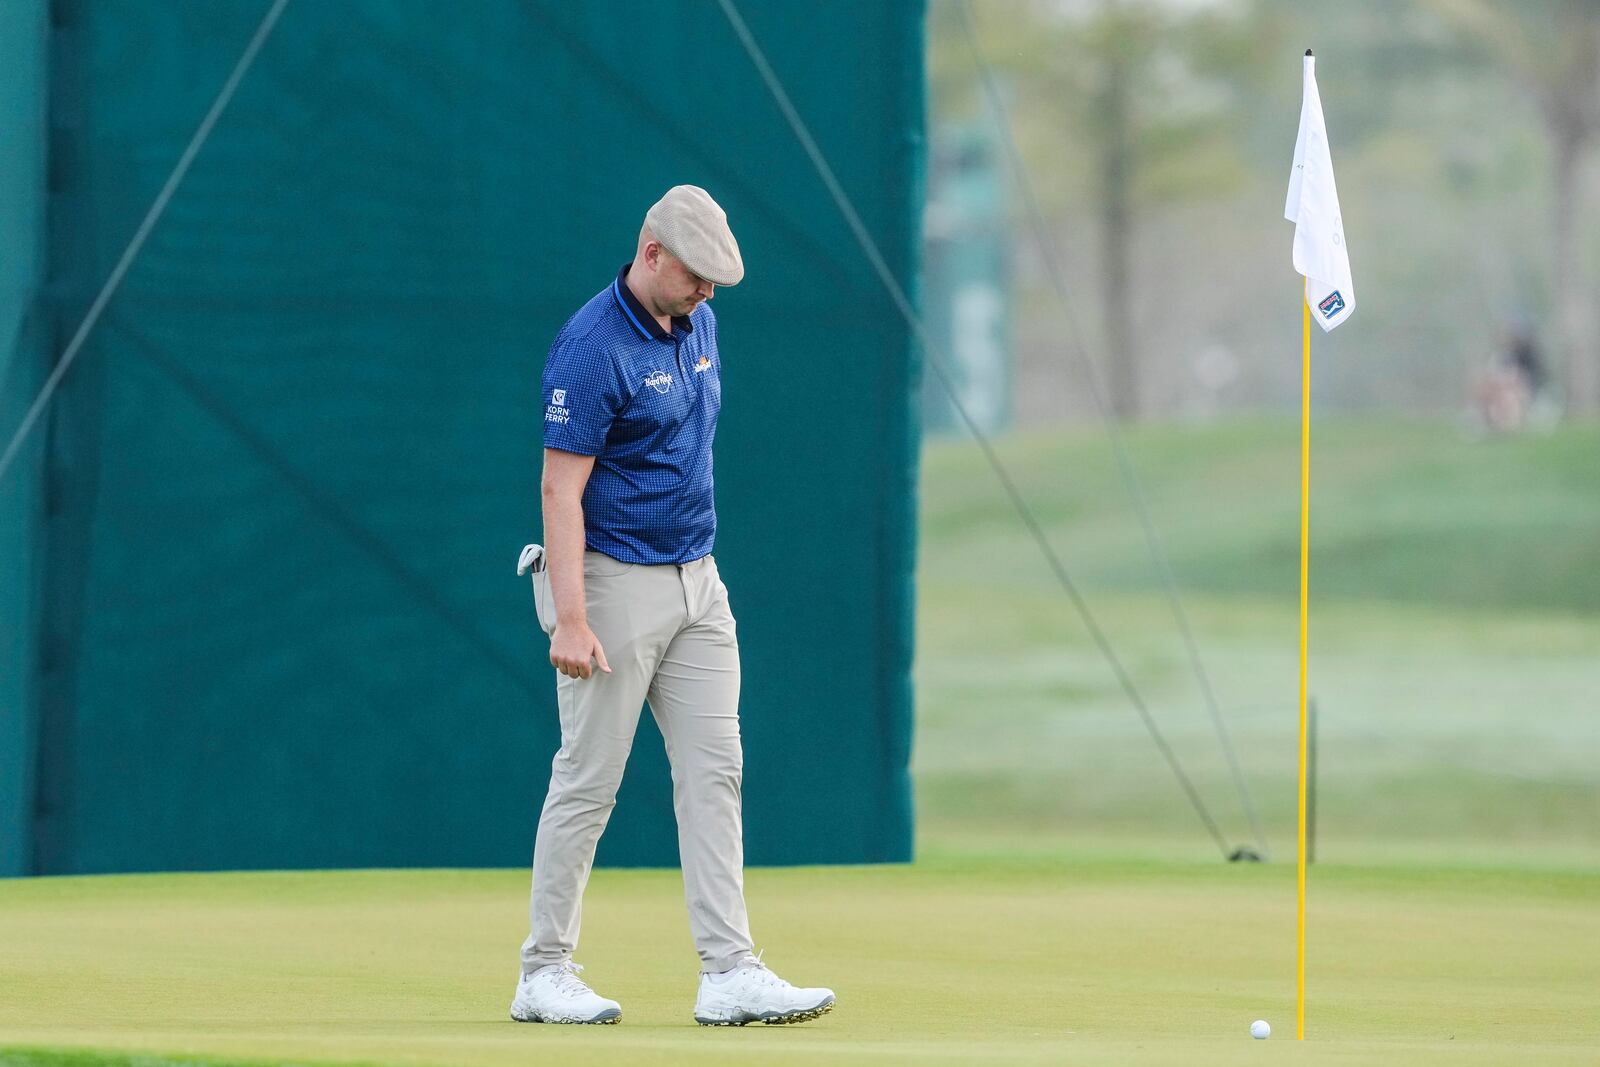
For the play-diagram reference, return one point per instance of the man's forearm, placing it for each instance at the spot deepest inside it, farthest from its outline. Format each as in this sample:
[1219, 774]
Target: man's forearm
[564, 545]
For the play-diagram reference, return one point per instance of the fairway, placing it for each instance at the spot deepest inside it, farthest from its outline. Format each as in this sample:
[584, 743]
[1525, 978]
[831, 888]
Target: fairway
[961, 959]
[1453, 639]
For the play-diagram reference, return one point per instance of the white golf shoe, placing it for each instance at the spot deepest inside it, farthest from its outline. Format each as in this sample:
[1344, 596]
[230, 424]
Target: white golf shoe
[751, 993]
[555, 994]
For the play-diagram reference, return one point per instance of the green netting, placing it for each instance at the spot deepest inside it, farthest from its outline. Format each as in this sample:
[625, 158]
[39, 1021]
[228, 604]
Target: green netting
[23, 77]
[299, 456]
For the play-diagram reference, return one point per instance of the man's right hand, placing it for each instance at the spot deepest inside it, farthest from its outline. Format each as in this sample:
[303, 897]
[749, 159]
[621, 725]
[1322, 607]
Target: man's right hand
[572, 648]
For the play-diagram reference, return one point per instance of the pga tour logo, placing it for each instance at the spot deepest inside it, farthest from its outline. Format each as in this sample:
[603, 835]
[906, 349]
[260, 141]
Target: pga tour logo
[660, 381]
[1331, 305]
[558, 397]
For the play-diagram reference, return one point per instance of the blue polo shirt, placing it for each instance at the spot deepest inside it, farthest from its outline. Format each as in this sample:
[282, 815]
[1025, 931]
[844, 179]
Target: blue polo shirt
[643, 401]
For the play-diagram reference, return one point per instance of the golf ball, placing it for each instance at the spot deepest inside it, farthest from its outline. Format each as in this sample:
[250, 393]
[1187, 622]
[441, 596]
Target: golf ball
[1260, 1030]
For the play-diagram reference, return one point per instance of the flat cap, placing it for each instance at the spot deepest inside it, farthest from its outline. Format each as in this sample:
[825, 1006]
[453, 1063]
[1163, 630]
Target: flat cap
[691, 226]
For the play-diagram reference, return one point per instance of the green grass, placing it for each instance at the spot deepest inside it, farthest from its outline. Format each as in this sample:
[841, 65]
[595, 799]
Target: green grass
[1066, 906]
[1402, 510]
[966, 958]
[1455, 638]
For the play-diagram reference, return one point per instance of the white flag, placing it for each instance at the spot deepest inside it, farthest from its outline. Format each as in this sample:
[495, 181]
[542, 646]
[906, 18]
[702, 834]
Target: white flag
[1313, 207]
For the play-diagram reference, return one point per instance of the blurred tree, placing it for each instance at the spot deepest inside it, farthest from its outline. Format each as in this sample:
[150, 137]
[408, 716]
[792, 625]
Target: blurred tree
[1552, 48]
[1445, 157]
[1139, 93]
[1123, 39]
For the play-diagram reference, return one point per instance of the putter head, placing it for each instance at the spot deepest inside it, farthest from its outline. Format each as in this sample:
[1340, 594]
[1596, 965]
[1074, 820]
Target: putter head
[532, 558]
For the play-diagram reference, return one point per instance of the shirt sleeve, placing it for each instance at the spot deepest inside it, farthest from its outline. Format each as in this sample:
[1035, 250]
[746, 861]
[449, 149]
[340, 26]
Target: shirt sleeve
[583, 396]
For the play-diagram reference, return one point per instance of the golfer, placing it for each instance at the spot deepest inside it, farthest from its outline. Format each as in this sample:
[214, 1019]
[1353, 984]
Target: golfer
[635, 610]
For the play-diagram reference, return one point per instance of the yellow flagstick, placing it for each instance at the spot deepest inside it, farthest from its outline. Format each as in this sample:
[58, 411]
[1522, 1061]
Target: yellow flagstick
[1305, 559]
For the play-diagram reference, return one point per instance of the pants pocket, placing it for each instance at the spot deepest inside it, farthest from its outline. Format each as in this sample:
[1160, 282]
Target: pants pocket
[544, 608]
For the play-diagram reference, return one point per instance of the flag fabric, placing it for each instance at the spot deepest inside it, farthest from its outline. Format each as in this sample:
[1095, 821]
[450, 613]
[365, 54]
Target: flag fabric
[1313, 207]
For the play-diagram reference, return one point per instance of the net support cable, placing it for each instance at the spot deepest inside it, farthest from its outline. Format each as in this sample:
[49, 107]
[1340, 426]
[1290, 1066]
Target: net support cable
[863, 237]
[152, 216]
[322, 503]
[1125, 468]
[599, 72]
[327, 507]
[935, 358]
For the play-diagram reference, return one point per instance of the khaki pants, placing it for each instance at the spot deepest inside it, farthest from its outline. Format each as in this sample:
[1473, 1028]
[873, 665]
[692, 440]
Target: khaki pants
[669, 636]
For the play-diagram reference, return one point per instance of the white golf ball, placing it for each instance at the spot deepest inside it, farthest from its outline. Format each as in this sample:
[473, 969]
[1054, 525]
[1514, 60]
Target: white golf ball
[1260, 1030]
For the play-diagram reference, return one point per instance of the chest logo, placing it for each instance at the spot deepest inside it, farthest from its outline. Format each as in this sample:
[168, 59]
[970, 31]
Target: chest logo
[660, 381]
[702, 365]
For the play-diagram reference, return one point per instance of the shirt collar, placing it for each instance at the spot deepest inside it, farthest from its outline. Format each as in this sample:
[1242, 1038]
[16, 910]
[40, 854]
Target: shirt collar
[642, 320]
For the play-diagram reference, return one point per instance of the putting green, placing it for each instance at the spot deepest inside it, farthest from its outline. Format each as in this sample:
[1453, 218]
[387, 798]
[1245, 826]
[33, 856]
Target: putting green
[962, 958]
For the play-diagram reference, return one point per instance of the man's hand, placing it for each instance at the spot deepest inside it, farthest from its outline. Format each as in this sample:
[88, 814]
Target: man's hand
[571, 649]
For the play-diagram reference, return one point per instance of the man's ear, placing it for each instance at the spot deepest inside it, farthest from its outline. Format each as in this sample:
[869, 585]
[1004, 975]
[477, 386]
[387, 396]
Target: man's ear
[652, 254]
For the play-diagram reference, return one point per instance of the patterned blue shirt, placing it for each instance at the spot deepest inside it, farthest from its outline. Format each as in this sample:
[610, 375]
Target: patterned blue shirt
[644, 403]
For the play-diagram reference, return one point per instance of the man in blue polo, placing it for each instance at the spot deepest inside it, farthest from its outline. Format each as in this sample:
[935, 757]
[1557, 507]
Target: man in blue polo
[630, 597]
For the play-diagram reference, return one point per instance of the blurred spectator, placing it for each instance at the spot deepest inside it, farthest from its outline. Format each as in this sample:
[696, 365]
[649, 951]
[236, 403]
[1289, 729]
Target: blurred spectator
[1512, 392]
[1522, 354]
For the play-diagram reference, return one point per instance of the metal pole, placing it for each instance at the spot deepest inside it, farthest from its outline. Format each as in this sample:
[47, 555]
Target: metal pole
[1311, 786]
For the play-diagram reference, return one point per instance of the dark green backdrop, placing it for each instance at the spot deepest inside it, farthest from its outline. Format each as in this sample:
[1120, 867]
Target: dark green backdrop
[272, 620]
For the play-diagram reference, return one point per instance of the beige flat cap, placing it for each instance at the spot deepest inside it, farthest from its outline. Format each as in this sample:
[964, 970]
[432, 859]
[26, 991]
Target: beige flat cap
[692, 227]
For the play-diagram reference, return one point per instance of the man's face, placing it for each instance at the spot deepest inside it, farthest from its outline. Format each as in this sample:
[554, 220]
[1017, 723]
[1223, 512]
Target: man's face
[679, 290]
